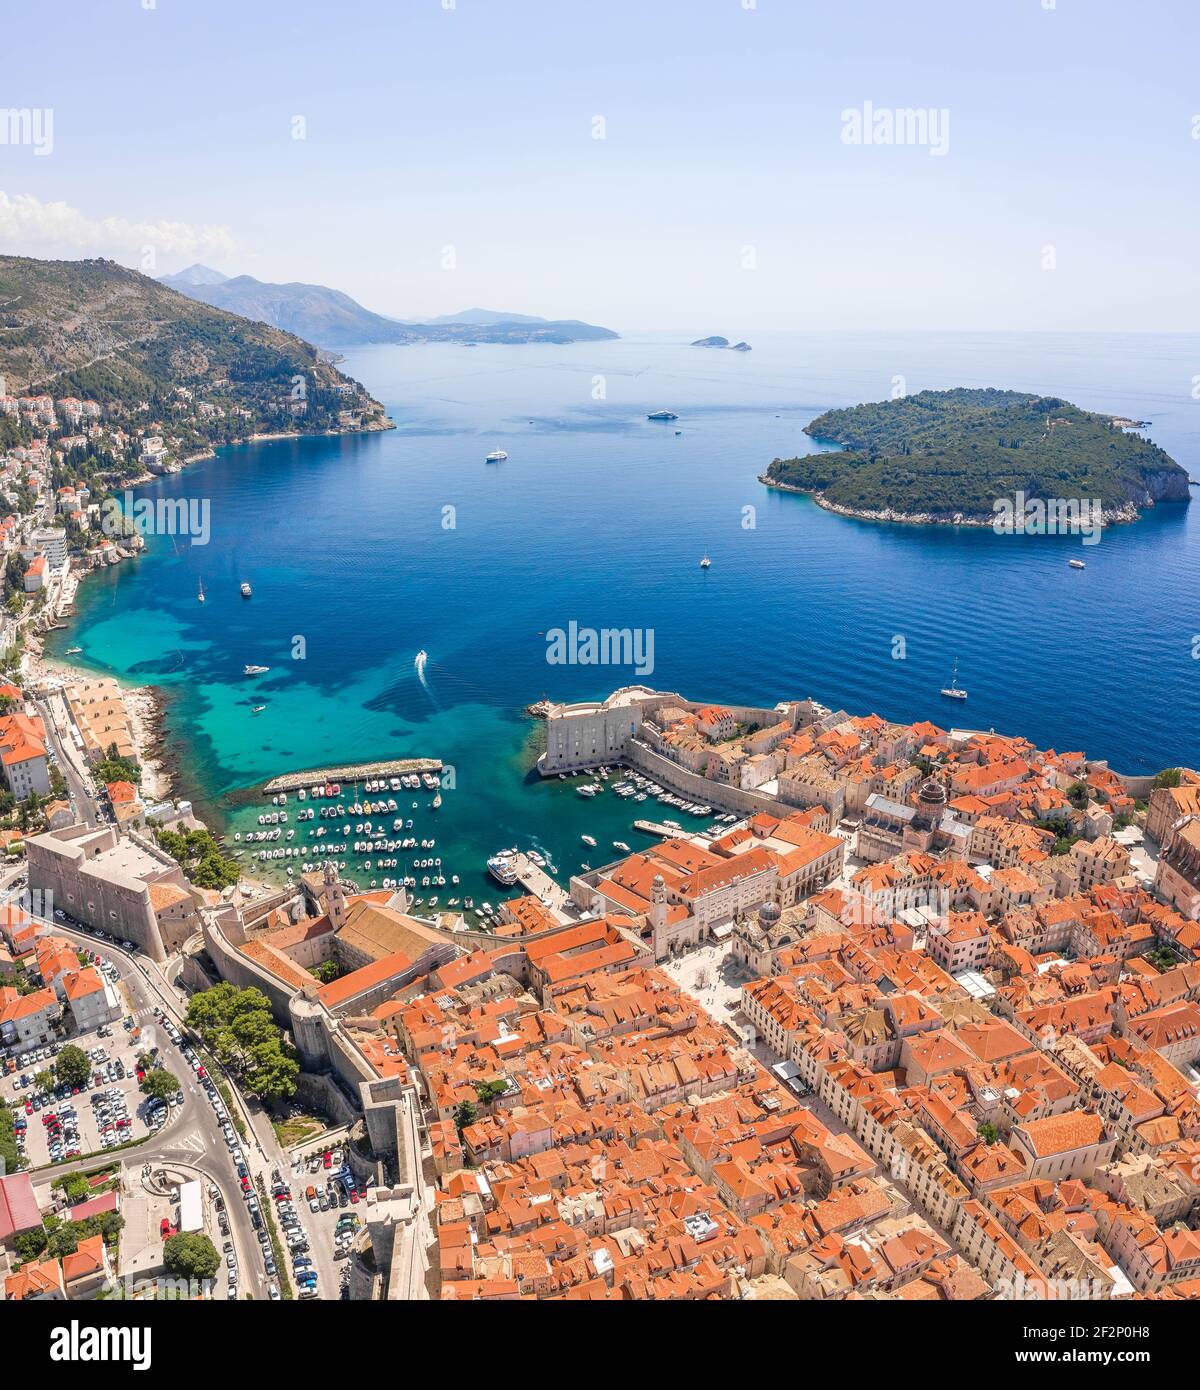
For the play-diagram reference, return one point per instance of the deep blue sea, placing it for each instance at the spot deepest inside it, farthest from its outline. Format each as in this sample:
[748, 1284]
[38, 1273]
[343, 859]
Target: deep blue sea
[601, 517]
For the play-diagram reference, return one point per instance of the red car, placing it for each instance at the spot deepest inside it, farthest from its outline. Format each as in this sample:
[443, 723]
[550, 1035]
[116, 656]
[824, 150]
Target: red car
[29, 1107]
[165, 1228]
[201, 1073]
[141, 1075]
[354, 1194]
[245, 1184]
[327, 1159]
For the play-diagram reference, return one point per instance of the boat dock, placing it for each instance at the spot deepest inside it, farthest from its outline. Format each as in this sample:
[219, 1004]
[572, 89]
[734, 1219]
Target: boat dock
[357, 772]
[664, 832]
[539, 883]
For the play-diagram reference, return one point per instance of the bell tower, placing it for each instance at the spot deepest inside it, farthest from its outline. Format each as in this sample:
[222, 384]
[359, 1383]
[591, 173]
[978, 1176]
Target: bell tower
[335, 898]
[658, 917]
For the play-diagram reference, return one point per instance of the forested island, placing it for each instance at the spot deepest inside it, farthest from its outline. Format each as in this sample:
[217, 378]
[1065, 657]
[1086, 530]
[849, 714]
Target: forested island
[949, 456]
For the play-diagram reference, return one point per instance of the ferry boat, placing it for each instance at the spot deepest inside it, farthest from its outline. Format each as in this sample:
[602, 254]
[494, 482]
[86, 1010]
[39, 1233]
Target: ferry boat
[662, 415]
[246, 589]
[255, 670]
[501, 869]
[588, 840]
[952, 691]
[496, 456]
[1077, 564]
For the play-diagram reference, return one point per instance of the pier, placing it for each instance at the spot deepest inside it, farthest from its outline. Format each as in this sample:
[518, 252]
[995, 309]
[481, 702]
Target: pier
[357, 772]
[539, 883]
[664, 832]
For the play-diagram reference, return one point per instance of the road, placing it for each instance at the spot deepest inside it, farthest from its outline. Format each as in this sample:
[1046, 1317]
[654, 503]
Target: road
[55, 717]
[192, 1136]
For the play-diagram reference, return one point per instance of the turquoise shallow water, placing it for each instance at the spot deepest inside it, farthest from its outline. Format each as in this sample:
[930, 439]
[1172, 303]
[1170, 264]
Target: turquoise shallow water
[601, 517]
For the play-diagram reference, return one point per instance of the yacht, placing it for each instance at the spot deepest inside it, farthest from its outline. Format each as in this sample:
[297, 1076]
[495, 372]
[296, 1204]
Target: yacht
[496, 456]
[622, 846]
[588, 840]
[952, 691]
[74, 651]
[255, 670]
[586, 790]
[1077, 564]
[662, 415]
[501, 869]
[705, 563]
[246, 589]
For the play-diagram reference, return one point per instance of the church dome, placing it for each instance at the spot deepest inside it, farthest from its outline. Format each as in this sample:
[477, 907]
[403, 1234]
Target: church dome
[932, 793]
[769, 914]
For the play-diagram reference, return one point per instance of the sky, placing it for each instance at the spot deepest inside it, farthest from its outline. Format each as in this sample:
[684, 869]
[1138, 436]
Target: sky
[695, 165]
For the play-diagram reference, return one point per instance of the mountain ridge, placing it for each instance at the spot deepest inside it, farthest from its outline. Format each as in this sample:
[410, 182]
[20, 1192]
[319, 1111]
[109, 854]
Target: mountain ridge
[331, 318]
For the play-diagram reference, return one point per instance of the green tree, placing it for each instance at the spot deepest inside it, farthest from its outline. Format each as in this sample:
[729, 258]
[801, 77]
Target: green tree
[987, 1132]
[160, 1084]
[465, 1114]
[44, 1080]
[30, 1244]
[10, 1158]
[63, 1241]
[72, 1066]
[488, 1091]
[236, 1025]
[77, 1188]
[191, 1256]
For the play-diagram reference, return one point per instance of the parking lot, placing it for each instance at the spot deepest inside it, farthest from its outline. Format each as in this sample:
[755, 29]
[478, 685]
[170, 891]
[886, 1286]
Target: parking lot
[319, 1220]
[59, 1123]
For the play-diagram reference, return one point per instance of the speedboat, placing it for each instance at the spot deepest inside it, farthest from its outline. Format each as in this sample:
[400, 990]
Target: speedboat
[1077, 564]
[255, 670]
[588, 840]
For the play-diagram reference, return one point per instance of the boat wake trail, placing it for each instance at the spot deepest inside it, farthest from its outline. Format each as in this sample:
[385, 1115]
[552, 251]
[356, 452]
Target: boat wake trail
[419, 665]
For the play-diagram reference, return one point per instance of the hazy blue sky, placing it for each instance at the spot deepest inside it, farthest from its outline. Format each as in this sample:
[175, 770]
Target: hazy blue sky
[470, 125]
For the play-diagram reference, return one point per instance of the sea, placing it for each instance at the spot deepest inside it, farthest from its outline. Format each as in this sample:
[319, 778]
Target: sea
[364, 550]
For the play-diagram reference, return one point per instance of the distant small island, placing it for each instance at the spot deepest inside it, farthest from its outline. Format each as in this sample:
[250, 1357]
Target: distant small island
[953, 456]
[717, 342]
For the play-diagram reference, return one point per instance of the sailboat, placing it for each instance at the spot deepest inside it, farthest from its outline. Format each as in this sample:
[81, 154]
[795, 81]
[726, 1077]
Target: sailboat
[951, 691]
[200, 595]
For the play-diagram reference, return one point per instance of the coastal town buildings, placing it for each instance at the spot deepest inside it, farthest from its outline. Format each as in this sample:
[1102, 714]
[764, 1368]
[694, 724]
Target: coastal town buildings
[121, 883]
